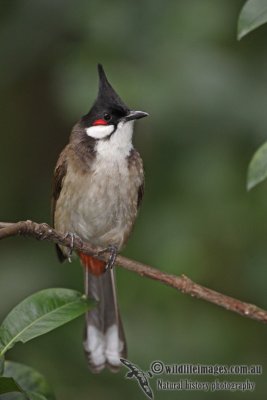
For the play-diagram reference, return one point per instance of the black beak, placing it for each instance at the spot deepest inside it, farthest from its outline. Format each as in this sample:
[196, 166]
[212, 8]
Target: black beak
[135, 115]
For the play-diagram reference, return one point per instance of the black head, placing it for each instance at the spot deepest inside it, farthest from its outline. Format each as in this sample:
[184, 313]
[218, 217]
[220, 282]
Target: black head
[108, 109]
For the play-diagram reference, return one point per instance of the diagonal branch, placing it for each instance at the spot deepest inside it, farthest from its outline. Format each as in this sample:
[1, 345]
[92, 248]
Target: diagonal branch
[182, 283]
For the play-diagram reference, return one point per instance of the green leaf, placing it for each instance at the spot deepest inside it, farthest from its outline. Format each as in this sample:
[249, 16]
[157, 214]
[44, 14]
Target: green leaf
[252, 15]
[8, 385]
[257, 169]
[40, 313]
[30, 380]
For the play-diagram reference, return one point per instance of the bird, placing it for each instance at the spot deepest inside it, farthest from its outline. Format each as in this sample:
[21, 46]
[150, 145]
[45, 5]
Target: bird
[98, 186]
[141, 377]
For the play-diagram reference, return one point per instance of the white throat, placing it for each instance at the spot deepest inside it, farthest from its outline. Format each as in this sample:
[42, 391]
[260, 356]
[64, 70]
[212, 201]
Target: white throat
[119, 145]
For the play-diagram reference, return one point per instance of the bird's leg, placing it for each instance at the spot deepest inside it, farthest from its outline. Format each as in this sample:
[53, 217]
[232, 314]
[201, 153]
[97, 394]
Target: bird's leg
[72, 236]
[113, 252]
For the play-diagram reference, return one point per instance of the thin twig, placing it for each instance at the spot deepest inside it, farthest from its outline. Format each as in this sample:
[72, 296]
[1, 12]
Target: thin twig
[182, 283]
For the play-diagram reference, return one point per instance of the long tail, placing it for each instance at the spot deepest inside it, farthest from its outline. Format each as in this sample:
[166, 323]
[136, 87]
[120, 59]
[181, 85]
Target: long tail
[104, 341]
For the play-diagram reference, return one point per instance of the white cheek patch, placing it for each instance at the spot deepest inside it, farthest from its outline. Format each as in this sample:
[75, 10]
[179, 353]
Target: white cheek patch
[99, 131]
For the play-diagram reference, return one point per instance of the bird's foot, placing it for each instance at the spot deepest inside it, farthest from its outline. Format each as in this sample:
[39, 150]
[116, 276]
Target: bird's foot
[113, 252]
[72, 236]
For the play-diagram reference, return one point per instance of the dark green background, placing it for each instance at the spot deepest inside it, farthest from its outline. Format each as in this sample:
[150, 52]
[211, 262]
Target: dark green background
[206, 95]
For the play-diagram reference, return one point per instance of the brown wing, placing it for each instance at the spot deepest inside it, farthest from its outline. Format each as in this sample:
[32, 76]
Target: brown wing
[59, 175]
[135, 163]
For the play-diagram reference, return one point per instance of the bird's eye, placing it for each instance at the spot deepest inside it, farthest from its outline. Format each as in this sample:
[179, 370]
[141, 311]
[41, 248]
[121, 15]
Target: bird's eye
[107, 117]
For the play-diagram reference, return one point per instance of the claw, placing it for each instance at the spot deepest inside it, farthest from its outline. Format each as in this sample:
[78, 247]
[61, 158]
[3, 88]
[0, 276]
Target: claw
[113, 251]
[72, 236]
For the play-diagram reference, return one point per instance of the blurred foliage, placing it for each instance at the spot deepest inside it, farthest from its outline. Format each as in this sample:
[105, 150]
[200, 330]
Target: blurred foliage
[252, 15]
[8, 385]
[31, 381]
[206, 96]
[257, 170]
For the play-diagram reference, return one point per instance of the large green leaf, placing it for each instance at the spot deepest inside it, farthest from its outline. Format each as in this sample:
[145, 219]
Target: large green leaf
[30, 380]
[9, 390]
[40, 313]
[257, 170]
[8, 385]
[252, 15]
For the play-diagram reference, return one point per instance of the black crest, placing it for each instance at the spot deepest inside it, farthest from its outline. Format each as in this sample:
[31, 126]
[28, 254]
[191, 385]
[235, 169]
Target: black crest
[107, 101]
[106, 94]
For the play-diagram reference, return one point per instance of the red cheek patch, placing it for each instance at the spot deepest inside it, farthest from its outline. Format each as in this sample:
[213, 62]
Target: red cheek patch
[100, 122]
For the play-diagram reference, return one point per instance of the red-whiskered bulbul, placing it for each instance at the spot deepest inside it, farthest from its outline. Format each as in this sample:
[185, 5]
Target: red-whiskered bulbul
[98, 187]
